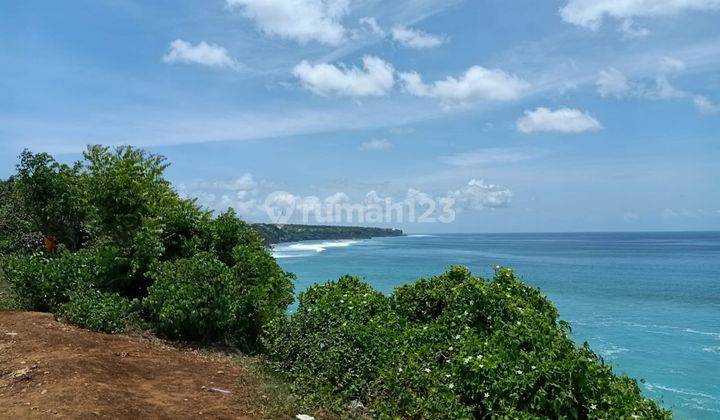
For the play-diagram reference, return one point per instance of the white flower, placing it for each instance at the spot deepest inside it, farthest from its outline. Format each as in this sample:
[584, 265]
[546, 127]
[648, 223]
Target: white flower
[451, 386]
[593, 406]
[486, 395]
[532, 367]
[450, 348]
[519, 372]
[467, 359]
[427, 370]
[399, 369]
[447, 375]
[479, 356]
[457, 337]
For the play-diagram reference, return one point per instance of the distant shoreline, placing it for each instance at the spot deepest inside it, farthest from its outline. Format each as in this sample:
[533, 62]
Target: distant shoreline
[274, 234]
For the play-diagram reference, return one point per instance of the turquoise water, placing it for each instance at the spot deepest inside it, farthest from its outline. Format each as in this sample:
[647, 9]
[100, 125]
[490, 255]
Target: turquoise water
[648, 302]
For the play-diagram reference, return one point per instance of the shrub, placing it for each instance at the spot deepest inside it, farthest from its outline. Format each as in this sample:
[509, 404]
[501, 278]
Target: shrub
[43, 283]
[98, 311]
[188, 299]
[453, 346]
[200, 298]
[337, 342]
[265, 288]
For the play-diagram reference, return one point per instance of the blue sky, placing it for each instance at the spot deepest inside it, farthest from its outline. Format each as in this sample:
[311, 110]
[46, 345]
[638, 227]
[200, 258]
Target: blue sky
[570, 115]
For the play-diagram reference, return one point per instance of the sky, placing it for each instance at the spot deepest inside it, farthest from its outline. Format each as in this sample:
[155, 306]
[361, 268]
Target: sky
[508, 115]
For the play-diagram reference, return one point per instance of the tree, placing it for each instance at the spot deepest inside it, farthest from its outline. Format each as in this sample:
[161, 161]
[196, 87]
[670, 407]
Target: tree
[53, 196]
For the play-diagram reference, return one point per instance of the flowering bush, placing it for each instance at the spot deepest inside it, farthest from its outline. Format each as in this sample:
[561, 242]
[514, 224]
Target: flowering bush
[453, 346]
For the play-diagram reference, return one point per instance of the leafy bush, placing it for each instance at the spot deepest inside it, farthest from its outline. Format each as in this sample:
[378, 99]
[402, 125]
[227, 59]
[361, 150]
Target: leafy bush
[200, 298]
[337, 343]
[189, 298]
[43, 283]
[98, 311]
[454, 346]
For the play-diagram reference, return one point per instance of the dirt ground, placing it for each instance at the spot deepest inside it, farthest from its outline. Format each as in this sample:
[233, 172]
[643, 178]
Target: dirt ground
[52, 370]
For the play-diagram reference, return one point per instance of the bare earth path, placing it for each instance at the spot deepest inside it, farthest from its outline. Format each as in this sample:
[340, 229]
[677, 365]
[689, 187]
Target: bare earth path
[52, 370]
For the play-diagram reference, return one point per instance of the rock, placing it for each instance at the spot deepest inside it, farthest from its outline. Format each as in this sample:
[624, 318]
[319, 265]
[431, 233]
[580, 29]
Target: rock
[356, 405]
[21, 374]
[222, 391]
[304, 417]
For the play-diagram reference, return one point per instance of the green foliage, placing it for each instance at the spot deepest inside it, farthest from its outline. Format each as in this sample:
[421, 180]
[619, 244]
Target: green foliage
[201, 298]
[53, 197]
[99, 311]
[189, 298]
[43, 283]
[336, 344]
[454, 346]
[125, 185]
[15, 226]
[123, 231]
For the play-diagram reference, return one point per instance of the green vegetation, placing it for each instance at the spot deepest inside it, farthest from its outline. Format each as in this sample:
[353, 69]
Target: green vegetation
[107, 244]
[292, 233]
[454, 346]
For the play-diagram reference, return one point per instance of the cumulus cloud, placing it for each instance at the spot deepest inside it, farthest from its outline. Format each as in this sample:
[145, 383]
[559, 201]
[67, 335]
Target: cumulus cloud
[477, 195]
[299, 20]
[376, 78]
[376, 145]
[591, 13]
[563, 120]
[205, 54]
[413, 38]
[475, 84]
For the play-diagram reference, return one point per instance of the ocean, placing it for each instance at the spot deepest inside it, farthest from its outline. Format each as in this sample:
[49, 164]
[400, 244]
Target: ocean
[649, 303]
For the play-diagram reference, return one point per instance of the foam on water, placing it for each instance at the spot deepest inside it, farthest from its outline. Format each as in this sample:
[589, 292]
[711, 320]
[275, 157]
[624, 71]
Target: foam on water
[305, 249]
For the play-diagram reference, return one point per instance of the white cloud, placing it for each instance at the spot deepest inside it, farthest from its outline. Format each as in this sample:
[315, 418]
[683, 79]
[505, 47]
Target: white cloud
[672, 65]
[299, 20]
[705, 105]
[563, 120]
[630, 29]
[477, 195]
[490, 156]
[475, 84]
[376, 78]
[205, 54]
[372, 24]
[663, 89]
[612, 82]
[591, 13]
[376, 145]
[414, 38]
